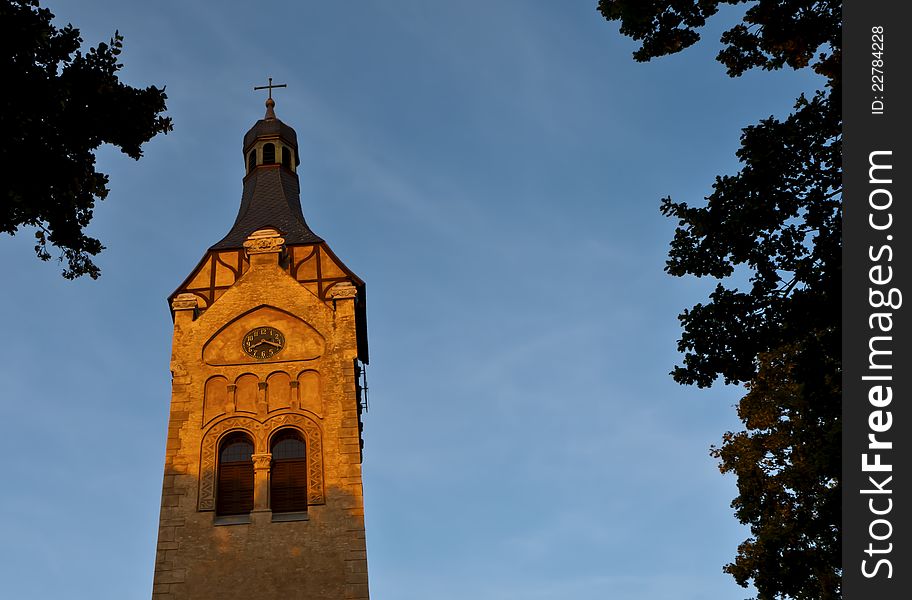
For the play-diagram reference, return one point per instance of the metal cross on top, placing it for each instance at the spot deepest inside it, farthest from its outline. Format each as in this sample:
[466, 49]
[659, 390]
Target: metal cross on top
[270, 87]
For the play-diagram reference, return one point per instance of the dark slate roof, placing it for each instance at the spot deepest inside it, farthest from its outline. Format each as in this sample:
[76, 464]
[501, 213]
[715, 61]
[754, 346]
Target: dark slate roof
[271, 198]
[268, 128]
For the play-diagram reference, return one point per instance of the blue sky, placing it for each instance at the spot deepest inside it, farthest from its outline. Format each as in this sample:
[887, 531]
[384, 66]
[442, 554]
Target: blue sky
[492, 169]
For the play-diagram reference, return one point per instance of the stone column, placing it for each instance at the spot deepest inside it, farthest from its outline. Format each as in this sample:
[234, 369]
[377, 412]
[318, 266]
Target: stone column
[230, 404]
[295, 395]
[261, 464]
[261, 399]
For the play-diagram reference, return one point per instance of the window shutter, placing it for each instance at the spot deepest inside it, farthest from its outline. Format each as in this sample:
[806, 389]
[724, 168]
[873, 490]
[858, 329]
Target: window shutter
[235, 489]
[288, 485]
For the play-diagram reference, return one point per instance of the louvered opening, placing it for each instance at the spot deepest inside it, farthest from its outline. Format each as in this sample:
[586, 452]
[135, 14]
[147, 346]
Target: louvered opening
[234, 492]
[235, 489]
[289, 485]
[268, 154]
[288, 476]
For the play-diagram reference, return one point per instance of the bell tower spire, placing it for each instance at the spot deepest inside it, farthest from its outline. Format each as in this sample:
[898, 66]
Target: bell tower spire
[271, 194]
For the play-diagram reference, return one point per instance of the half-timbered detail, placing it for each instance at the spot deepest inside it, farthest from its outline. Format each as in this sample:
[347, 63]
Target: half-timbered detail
[314, 266]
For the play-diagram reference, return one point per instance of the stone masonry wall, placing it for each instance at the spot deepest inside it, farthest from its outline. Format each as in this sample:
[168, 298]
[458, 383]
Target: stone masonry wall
[310, 385]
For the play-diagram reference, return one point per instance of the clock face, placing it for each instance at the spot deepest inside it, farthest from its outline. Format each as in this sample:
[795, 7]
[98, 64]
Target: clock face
[263, 342]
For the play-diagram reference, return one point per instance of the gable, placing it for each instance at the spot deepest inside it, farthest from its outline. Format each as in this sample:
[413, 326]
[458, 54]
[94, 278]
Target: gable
[302, 342]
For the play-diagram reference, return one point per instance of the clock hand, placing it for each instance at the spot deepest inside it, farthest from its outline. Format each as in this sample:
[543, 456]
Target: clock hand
[270, 343]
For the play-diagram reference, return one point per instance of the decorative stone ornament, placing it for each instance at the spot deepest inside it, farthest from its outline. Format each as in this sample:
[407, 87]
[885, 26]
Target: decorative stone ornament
[184, 301]
[264, 241]
[261, 461]
[341, 291]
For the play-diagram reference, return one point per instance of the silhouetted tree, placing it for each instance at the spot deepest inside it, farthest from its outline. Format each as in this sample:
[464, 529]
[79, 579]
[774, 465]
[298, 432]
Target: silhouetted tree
[58, 107]
[780, 219]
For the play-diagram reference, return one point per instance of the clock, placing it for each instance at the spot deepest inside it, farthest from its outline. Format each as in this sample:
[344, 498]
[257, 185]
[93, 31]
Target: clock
[263, 342]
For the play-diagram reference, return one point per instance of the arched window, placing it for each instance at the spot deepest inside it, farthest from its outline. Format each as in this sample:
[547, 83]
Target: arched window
[288, 479]
[286, 158]
[268, 154]
[251, 160]
[234, 491]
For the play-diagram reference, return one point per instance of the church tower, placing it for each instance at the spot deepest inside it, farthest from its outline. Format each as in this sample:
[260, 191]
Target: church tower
[262, 494]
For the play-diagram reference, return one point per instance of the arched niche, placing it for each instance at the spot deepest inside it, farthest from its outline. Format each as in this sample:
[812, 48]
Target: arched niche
[310, 393]
[215, 398]
[278, 391]
[246, 393]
